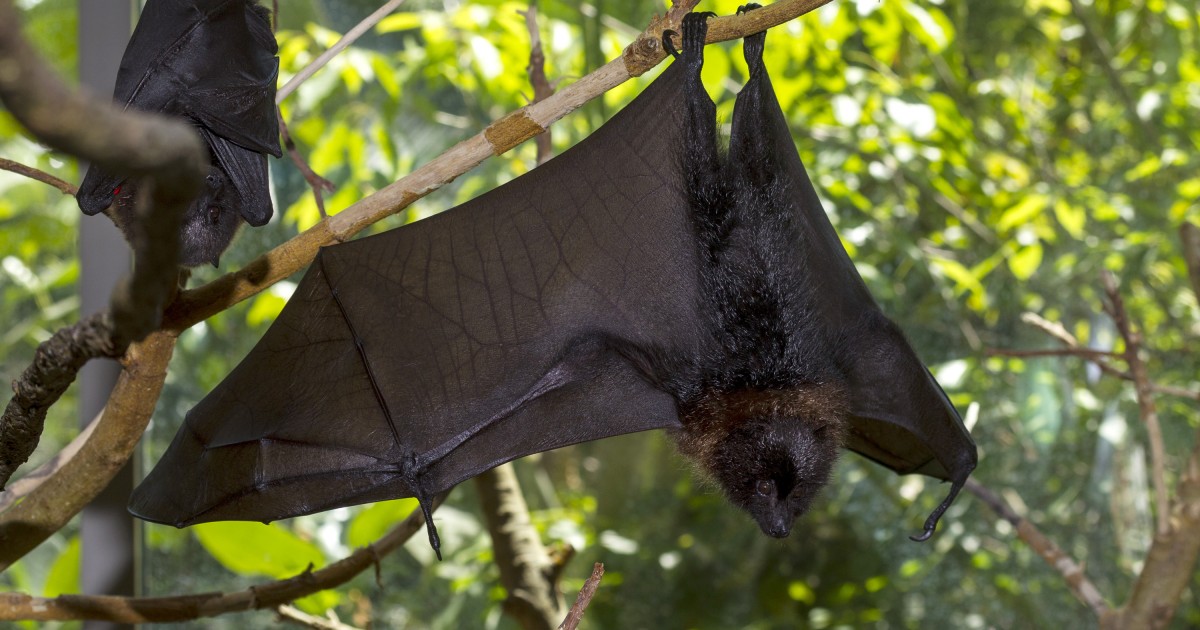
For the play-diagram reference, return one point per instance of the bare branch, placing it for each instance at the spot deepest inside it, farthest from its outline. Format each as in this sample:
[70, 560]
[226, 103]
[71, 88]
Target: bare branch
[585, 597]
[533, 600]
[349, 38]
[318, 184]
[1095, 357]
[66, 188]
[1146, 407]
[542, 89]
[1070, 570]
[1086, 353]
[19, 606]
[1171, 561]
[502, 135]
[55, 364]
[295, 616]
[52, 503]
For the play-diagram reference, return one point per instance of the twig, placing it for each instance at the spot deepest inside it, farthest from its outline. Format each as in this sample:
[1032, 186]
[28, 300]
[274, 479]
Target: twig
[315, 181]
[295, 616]
[67, 188]
[575, 615]
[644, 53]
[1086, 353]
[1056, 330]
[349, 38]
[1146, 407]
[19, 606]
[542, 89]
[1071, 572]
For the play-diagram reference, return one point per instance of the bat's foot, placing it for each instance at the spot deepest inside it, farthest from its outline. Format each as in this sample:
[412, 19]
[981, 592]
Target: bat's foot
[695, 30]
[748, 7]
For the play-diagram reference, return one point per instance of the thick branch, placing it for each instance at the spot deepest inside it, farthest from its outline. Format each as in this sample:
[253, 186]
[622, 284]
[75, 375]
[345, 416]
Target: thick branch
[18, 606]
[1071, 572]
[1171, 561]
[502, 135]
[55, 364]
[48, 507]
[525, 567]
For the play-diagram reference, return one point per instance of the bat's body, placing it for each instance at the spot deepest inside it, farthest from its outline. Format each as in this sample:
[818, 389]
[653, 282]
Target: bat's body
[637, 281]
[213, 63]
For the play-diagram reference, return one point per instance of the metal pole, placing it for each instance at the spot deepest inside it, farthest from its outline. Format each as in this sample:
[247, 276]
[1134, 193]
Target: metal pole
[107, 531]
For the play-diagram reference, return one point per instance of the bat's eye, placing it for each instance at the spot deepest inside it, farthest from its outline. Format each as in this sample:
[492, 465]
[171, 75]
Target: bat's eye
[765, 487]
[214, 214]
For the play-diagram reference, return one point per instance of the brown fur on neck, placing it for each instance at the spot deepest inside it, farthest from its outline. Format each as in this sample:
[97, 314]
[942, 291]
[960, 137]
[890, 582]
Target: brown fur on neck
[708, 421]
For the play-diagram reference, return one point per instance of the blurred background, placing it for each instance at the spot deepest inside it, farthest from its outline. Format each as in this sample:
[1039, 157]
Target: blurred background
[979, 159]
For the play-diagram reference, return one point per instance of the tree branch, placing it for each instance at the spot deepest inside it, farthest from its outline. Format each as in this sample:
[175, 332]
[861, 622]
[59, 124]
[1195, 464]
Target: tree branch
[1146, 407]
[534, 601]
[66, 188]
[50, 505]
[644, 53]
[349, 38]
[1072, 573]
[585, 597]
[19, 606]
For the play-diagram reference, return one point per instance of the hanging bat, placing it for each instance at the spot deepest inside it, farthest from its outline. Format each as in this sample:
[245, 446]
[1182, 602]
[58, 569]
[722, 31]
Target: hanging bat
[637, 281]
[213, 63]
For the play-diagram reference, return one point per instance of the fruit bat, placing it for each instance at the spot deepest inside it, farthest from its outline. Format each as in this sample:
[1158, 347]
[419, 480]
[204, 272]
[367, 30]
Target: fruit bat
[213, 63]
[637, 281]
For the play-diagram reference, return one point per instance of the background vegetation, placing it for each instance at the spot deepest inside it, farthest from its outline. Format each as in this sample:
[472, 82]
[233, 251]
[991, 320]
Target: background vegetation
[980, 160]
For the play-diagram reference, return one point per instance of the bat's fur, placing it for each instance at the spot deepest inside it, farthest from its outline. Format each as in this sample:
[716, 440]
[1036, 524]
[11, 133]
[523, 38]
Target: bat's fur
[764, 411]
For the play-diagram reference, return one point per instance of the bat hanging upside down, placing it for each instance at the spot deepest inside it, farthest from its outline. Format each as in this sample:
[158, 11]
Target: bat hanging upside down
[213, 63]
[638, 281]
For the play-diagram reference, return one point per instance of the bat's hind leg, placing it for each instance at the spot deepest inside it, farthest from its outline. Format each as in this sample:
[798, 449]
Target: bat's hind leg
[708, 194]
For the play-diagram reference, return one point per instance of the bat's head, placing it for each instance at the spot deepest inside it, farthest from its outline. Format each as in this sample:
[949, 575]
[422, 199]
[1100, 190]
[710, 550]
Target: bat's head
[770, 451]
[775, 466]
[211, 222]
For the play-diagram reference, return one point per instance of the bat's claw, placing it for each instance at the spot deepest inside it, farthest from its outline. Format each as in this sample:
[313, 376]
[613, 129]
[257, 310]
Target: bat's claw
[434, 540]
[748, 7]
[668, 45]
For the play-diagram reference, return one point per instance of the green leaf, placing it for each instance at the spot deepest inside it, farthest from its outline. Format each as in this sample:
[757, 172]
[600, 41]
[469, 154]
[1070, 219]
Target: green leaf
[1022, 212]
[64, 573]
[1072, 218]
[375, 521]
[1026, 261]
[258, 549]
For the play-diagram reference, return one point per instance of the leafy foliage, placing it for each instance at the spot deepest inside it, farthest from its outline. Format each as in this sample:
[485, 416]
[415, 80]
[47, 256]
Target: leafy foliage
[979, 160]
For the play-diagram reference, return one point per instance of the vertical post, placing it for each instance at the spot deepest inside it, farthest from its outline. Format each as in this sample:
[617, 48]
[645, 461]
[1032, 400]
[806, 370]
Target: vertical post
[107, 531]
